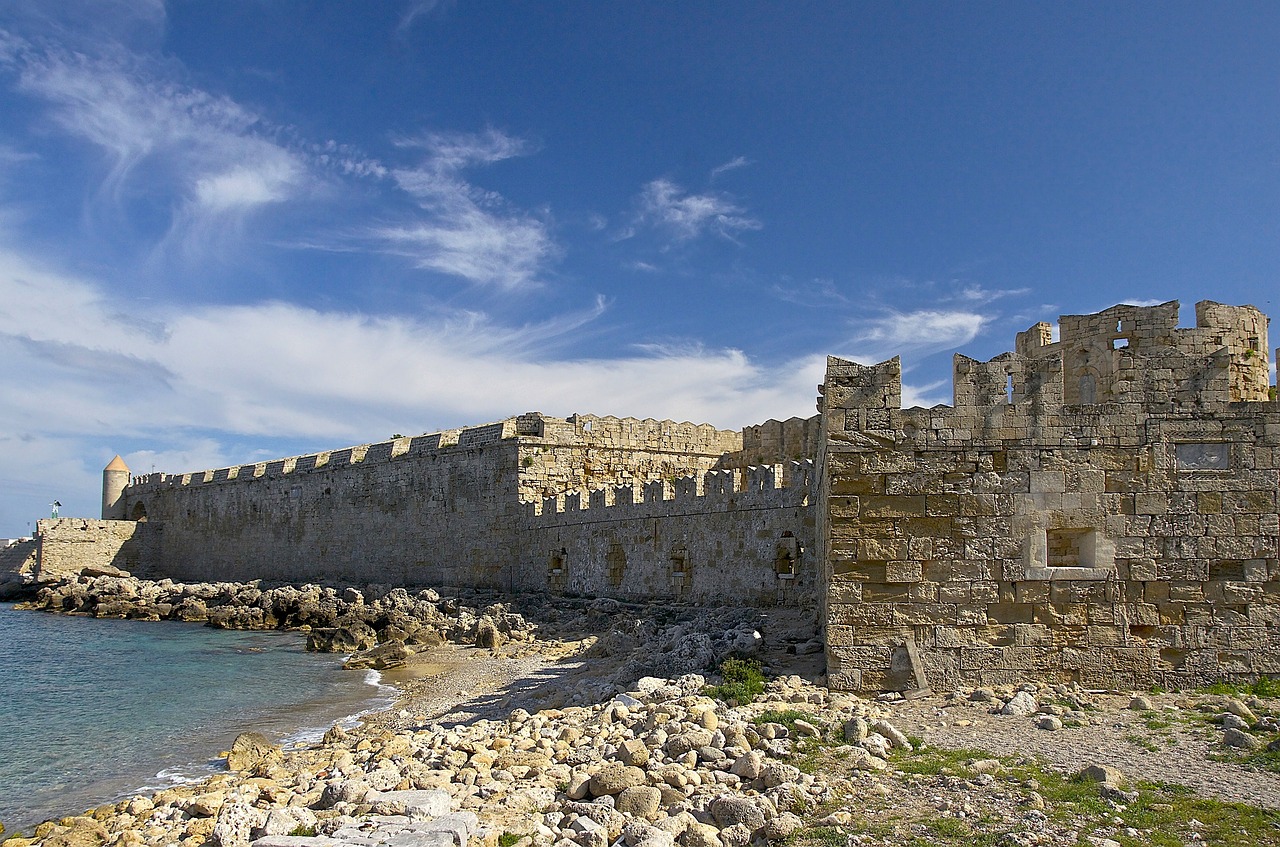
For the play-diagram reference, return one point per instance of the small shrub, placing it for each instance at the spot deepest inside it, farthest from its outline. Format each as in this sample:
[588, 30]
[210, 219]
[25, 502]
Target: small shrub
[507, 839]
[743, 681]
[303, 831]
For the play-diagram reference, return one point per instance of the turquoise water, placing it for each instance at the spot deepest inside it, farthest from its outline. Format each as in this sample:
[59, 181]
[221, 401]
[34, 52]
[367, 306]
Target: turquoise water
[94, 710]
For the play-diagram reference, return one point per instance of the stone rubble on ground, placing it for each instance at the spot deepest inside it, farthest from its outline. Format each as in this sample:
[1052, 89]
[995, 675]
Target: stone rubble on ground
[649, 762]
[660, 765]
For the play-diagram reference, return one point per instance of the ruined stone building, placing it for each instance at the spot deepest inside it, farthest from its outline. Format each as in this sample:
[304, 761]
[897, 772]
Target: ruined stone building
[1099, 508]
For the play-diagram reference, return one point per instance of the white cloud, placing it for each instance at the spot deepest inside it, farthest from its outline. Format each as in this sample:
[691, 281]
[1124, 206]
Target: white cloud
[161, 139]
[465, 231]
[920, 331]
[814, 293]
[243, 187]
[189, 382]
[10, 156]
[974, 293]
[1133, 301]
[667, 206]
[479, 247]
[731, 165]
[928, 395]
[418, 8]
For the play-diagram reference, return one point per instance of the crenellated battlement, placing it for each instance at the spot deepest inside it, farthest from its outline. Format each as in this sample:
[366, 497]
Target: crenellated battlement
[1125, 355]
[751, 487]
[609, 432]
[363, 454]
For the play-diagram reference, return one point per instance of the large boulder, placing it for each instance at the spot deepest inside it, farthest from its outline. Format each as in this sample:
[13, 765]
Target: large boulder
[487, 634]
[614, 777]
[392, 654]
[730, 810]
[248, 750]
[356, 635]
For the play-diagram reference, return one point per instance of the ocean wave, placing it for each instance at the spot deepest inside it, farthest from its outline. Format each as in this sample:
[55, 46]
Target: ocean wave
[189, 774]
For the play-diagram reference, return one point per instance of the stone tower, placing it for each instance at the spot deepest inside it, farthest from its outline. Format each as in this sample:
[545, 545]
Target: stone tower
[115, 477]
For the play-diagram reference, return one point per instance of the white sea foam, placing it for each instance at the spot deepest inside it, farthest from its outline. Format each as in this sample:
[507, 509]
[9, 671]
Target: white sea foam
[384, 698]
[183, 775]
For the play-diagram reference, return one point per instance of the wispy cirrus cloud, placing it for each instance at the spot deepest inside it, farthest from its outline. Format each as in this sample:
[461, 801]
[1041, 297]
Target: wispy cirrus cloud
[463, 230]
[814, 293]
[684, 216]
[731, 165]
[211, 161]
[416, 9]
[212, 164]
[931, 328]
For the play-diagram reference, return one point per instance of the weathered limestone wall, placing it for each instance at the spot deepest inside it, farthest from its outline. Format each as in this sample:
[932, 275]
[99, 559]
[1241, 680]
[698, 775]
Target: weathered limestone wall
[435, 509]
[17, 555]
[65, 546]
[726, 536]
[466, 508]
[792, 440]
[584, 451]
[1015, 536]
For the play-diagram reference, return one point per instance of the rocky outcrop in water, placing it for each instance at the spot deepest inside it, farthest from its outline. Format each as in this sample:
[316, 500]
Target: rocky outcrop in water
[382, 627]
[382, 631]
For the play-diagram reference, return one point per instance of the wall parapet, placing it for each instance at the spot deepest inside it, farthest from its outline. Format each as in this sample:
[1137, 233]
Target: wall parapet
[767, 486]
[380, 452]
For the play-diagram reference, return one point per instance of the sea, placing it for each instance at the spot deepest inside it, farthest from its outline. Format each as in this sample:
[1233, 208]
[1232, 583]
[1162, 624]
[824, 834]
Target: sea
[94, 710]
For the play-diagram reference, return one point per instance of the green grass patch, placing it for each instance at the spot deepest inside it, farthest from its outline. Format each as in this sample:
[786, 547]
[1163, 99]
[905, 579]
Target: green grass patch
[1263, 686]
[1264, 760]
[948, 828]
[508, 839]
[786, 717]
[1139, 741]
[301, 831]
[743, 681]
[935, 762]
[1163, 813]
[817, 836]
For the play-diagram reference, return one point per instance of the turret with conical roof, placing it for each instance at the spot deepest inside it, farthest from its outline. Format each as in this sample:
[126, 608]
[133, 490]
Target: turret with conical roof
[115, 478]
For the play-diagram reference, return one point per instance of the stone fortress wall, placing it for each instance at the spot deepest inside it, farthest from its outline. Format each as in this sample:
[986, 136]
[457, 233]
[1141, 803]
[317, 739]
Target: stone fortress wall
[594, 505]
[1099, 508]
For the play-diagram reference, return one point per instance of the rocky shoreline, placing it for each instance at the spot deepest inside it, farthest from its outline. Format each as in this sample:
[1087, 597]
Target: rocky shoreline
[590, 724]
[382, 626]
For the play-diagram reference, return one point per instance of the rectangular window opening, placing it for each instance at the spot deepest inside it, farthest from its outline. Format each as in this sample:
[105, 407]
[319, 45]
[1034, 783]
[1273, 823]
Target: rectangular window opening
[1071, 548]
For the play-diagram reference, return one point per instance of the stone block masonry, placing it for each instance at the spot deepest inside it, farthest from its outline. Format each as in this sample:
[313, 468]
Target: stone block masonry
[69, 545]
[670, 515]
[1100, 508]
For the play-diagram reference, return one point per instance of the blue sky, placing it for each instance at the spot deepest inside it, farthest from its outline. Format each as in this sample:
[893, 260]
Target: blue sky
[256, 228]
